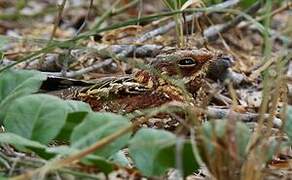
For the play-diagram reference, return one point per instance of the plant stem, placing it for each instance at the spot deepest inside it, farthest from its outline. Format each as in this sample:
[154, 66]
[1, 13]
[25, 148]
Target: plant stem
[105, 15]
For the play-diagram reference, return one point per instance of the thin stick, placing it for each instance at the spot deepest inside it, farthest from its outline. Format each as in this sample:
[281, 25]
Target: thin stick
[150, 35]
[212, 32]
[217, 113]
[170, 25]
[86, 19]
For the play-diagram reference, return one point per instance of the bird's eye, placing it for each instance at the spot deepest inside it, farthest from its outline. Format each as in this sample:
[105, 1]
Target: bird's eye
[187, 62]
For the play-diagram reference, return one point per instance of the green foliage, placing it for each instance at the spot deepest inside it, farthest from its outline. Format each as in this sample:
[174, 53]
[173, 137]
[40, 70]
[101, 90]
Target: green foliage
[154, 152]
[77, 111]
[32, 121]
[104, 165]
[96, 126]
[174, 4]
[184, 151]
[17, 83]
[25, 145]
[223, 146]
[19, 141]
[218, 131]
[120, 158]
[247, 3]
[145, 146]
[37, 117]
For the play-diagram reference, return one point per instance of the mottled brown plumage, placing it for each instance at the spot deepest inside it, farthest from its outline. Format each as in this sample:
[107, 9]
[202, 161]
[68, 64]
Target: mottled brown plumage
[153, 86]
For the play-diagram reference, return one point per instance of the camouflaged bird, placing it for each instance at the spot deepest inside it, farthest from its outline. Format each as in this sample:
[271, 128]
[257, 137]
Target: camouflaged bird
[151, 87]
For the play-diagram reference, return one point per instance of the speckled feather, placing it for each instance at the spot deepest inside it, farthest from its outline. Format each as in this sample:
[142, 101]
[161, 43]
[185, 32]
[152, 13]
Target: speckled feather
[150, 88]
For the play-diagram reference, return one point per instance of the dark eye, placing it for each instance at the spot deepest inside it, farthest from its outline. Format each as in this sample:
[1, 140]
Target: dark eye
[187, 62]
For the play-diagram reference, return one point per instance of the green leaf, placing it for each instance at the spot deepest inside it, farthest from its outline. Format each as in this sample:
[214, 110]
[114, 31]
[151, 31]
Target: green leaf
[77, 106]
[104, 165]
[247, 3]
[16, 140]
[217, 131]
[166, 157]
[146, 145]
[288, 123]
[223, 146]
[77, 112]
[17, 83]
[120, 158]
[37, 117]
[96, 126]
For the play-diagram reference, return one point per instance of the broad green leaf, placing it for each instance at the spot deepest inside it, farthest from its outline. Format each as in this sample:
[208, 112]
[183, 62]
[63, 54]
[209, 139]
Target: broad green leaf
[183, 152]
[17, 83]
[16, 140]
[146, 145]
[288, 123]
[49, 152]
[25, 145]
[103, 165]
[120, 158]
[222, 145]
[38, 117]
[96, 126]
[217, 130]
[77, 106]
[77, 112]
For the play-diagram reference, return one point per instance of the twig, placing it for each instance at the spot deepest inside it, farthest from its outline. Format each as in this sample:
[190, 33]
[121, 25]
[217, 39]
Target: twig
[123, 51]
[65, 62]
[101, 64]
[50, 64]
[188, 18]
[212, 33]
[57, 21]
[36, 163]
[86, 19]
[147, 36]
[56, 24]
[146, 50]
[83, 71]
[217, 113]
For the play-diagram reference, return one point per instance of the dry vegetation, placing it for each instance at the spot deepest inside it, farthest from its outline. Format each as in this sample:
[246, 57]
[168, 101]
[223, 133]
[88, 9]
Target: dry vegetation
[91, 89]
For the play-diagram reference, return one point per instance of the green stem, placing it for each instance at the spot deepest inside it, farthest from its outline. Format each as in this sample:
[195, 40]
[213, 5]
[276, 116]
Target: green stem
[105, 15]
